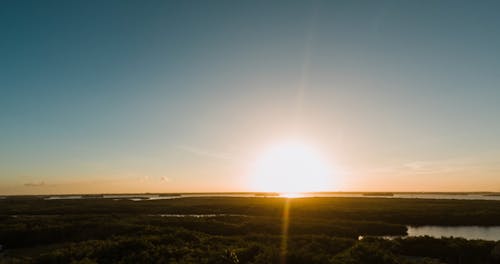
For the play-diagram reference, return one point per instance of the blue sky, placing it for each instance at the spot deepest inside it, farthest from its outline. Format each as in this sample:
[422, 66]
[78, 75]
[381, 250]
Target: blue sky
[122, 96]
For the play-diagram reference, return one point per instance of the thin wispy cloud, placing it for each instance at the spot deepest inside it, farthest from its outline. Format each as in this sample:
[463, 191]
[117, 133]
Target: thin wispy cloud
[428, 167]
[164, 179]
[35, 184]
[431, 166]
[206, 153]
[144, 178]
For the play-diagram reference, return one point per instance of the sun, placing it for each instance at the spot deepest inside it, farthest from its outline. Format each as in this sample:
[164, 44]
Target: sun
[290, 167]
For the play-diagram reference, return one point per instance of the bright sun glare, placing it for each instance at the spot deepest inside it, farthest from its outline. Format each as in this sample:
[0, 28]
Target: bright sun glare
[290, 168]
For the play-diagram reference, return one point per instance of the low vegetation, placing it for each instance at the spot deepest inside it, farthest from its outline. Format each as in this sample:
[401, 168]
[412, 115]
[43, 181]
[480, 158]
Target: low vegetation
[239, 230]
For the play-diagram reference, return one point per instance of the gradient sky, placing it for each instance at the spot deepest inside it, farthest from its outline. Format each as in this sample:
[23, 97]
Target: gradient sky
[171, 96]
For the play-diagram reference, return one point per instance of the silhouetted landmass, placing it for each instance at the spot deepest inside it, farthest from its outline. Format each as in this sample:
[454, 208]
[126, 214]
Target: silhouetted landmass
[240, 230]
[169, 194]
[267, 194]
[378, 194]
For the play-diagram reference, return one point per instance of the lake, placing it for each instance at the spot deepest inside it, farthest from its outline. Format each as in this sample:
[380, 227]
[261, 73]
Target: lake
[468, 232]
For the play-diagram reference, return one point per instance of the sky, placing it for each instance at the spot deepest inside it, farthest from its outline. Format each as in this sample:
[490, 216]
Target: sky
[184, 96]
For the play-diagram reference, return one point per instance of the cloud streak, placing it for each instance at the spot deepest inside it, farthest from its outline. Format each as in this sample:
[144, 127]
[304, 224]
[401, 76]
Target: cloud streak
[35, 184]
[206, 153]
[165, 179]
[435, 166]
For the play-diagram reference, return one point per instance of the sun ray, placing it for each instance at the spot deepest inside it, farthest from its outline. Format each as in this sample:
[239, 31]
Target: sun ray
[284, 231]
